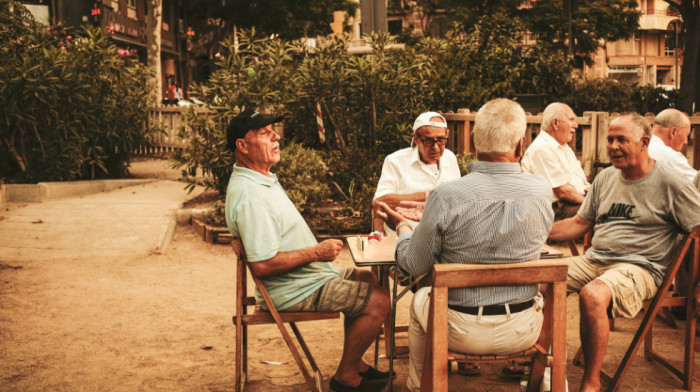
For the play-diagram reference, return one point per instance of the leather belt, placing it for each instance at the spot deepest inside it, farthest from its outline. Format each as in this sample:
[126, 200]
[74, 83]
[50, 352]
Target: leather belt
[493, 310]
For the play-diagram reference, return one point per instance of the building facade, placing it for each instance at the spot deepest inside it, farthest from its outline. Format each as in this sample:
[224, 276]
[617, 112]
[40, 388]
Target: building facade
[652, 56]
[126, 21]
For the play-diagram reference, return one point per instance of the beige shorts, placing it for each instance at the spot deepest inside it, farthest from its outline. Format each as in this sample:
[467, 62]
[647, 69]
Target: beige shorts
[629, 284]
[343, 294]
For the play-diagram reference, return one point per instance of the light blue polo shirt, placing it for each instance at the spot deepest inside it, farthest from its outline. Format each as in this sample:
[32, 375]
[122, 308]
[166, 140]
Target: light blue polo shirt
[259, 212]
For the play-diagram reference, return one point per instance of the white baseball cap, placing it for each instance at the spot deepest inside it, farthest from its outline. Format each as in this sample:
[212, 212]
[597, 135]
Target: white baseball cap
[424, 119]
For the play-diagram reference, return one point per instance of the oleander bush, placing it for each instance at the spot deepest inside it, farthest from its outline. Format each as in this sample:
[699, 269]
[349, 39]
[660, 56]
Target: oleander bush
[72, 107]
[369, 101]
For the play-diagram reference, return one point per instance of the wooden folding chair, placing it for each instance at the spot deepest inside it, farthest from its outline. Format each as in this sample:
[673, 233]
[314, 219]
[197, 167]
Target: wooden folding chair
[662, 299]
[242, 320]
[551, 272]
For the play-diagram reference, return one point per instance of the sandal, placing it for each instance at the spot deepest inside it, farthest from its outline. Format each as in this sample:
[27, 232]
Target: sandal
[516, 371]
[468, 369]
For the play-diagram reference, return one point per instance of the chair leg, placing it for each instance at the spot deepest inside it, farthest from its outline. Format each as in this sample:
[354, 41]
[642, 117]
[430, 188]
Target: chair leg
[297, 357]
[241, 355]
[309, 357]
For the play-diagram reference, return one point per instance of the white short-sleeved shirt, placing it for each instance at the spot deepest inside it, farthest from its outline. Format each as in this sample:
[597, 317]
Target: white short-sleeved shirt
[663, 153]
[555, 162]
[403, 173]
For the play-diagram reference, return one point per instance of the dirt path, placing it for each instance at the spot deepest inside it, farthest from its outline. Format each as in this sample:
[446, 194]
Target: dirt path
[162, 322]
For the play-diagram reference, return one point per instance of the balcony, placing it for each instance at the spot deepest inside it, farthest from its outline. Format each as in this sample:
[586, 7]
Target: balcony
[656, 19]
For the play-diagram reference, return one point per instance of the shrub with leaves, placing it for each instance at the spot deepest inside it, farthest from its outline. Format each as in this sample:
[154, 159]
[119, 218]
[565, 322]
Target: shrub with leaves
[303, 175]
[206, 149]
[648, 99]
[73, 108]
[368, 101]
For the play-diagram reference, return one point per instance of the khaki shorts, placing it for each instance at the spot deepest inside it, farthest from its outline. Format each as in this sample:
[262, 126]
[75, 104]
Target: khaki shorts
[629, 284]
[342, 294]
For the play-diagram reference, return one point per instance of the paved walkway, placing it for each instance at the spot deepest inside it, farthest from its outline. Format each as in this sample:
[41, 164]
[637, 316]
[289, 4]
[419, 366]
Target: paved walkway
[129, 221]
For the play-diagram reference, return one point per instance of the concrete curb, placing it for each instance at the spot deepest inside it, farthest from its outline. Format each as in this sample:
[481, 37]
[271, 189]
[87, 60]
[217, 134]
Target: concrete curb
[167, 235]
[44, 191]
[184, 215]
[3, 196]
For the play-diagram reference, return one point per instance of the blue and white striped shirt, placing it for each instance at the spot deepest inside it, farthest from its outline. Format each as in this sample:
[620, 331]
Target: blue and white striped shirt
[494, 215]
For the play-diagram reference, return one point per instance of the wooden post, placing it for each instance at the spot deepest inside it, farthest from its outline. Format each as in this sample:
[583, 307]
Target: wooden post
[589, 142]
[601, 137]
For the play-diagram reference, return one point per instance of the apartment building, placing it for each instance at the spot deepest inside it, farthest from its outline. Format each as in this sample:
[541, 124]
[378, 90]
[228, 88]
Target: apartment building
[651, 57]
[126, 21]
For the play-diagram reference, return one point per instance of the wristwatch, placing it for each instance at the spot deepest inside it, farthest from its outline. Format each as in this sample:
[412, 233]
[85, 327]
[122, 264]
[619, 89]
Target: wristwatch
[403, 223]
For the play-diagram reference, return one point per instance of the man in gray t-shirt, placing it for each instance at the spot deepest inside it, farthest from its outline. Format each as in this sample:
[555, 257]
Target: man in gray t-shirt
[636, 209]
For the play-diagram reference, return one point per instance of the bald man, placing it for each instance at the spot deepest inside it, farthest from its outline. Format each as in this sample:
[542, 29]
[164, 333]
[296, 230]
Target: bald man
[550, 156]
[669, 136]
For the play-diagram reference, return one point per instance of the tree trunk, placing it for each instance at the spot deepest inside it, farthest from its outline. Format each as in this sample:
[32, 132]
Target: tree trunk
[155, 21]
[690, 80]
[11, 149]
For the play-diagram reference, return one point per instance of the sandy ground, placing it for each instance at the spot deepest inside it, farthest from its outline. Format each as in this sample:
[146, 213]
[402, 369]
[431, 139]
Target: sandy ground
[135, 320]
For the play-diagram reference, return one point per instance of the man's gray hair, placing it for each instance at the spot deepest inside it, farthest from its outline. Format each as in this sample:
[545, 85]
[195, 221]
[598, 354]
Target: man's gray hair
[668, 118]
[640, 125]
[553, 111]
[499, 126]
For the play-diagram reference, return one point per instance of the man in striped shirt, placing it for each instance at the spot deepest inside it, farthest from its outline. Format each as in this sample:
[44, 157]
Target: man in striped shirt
[495, 214]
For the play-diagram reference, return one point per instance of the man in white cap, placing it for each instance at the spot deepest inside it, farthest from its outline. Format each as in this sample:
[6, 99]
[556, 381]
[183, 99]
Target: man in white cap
[411, 173]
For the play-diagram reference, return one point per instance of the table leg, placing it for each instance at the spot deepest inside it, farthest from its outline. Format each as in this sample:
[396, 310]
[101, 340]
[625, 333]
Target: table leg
[392, 324]
[380, 274]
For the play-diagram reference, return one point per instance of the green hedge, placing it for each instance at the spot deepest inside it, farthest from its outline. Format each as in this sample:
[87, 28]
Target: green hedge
[73, 107]
[369, 101]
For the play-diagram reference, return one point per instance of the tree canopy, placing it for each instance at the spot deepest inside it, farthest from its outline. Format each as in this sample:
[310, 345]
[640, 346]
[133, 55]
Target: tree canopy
[213, 20]
[593, 21]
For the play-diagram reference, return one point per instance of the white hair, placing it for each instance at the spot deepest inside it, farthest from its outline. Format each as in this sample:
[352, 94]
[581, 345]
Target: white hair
[640, 125]
[671, 118]
[499, 126]
[553, 111]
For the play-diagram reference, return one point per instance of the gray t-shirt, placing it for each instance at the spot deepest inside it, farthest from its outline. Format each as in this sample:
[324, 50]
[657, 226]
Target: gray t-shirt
[638, 221]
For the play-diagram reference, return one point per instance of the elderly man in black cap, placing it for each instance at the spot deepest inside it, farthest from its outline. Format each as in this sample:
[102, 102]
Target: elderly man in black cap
[283, 252]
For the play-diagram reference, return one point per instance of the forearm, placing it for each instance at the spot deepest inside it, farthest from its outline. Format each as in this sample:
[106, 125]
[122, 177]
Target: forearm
[569, 229]
[568, 193]
[284, 262]
[415, 249]
[393, 199]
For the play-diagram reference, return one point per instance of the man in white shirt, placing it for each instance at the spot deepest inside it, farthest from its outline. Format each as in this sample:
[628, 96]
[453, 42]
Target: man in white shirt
[550, 156]
[669, 136]
[411, 173]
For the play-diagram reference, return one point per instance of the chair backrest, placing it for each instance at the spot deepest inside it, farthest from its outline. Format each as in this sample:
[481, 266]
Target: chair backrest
[655, 305]
[551, 272]
[241, 266]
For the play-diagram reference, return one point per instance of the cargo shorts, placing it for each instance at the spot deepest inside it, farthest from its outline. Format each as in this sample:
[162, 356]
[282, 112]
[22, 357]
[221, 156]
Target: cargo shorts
[629, 284]
[342, 294]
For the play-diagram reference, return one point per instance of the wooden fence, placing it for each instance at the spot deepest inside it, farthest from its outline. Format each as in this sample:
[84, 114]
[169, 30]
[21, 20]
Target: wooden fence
[589, 144]
[167, 120]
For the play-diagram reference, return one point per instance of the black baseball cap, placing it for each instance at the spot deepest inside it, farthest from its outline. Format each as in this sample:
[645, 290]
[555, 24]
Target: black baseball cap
[244, 122]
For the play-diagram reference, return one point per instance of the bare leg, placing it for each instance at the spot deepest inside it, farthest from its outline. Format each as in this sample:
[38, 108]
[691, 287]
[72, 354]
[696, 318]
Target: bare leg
[361, 331]
[594, 299]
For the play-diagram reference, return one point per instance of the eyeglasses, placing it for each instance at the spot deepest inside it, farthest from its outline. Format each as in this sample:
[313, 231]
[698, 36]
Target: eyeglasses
[429, 142]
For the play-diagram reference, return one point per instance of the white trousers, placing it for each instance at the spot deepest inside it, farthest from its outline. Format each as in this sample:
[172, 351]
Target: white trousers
[466, 333]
